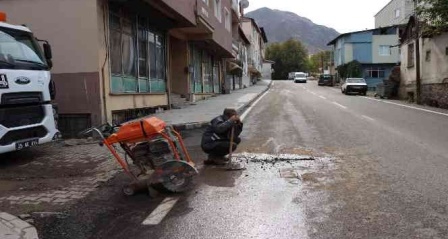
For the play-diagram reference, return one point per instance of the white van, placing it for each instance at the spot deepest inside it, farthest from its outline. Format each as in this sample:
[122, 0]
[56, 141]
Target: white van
[300, 77]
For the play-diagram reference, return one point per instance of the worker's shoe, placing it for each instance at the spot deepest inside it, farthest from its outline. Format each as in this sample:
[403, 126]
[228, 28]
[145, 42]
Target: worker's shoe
[216, 160]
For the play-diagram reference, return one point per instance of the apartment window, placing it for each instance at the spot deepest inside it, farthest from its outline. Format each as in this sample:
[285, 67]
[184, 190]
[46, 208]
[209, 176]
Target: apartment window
[411, 55]
[384, 50]
[137, 55]
[428, 56]
[218, 10]
[375, 72]
[397, 13]
[227, 20]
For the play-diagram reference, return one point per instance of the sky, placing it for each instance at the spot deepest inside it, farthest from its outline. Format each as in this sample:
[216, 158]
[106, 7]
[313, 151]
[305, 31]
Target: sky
[342, 15]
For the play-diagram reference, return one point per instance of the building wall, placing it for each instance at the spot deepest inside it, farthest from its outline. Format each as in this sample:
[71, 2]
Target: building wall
[73, 38]
[387, 40]
[362, 52]
[221, 36]
[435, 69]
[178, 63]
[361, 37]
[408, 74]
[72, 30]
[387, 17]
[254, 50]
[348, 52]
[185, 8]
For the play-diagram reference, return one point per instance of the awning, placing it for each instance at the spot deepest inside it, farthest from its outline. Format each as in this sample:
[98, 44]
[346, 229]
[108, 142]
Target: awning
[234, 68]
[253, 70]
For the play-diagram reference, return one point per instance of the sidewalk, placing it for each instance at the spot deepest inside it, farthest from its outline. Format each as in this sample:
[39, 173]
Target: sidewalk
[201, 113]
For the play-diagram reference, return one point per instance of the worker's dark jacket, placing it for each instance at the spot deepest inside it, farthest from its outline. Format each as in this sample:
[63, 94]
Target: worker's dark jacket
[220, 131]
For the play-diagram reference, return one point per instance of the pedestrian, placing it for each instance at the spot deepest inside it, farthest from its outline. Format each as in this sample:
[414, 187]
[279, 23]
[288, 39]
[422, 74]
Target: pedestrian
[216, 138]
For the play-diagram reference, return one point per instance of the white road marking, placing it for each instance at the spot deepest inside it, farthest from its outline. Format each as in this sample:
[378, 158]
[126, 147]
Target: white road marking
[322, 97]
[160, 212]
[407, 106]
[243, 116]
[367, 117]
[343, 107]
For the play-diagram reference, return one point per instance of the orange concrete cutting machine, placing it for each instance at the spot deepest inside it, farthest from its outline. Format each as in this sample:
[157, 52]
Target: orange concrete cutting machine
[156, 149]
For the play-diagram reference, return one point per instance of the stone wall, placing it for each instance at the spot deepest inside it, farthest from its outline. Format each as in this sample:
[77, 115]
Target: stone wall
[435, 95]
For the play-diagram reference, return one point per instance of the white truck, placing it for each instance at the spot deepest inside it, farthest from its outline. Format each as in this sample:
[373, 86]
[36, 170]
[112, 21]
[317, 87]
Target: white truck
[27, 115]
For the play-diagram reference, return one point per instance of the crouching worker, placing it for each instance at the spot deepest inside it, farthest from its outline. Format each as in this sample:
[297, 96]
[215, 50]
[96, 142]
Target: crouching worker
[216, 138]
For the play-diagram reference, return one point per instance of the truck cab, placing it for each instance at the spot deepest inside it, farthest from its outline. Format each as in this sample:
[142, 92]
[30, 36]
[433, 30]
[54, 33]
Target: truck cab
[27, 115]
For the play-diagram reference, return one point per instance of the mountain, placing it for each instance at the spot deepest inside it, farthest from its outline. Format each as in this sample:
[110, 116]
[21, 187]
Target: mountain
[281, 26]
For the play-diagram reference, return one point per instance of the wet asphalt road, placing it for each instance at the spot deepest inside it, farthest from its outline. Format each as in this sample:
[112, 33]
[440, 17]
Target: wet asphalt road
[380, 172]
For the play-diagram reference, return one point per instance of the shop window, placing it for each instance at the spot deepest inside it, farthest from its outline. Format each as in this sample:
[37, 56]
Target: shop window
[137, 55]
[203, 79]
[375, 72]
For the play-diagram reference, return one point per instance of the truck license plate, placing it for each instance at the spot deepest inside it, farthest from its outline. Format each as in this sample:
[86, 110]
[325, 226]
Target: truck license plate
[27, 144]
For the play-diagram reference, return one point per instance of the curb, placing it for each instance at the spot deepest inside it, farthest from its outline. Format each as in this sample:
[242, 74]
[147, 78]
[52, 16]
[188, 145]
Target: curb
[22, 229]
[240, 110]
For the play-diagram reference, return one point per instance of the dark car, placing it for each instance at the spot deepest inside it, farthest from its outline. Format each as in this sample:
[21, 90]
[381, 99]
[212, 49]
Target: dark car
[325, 80]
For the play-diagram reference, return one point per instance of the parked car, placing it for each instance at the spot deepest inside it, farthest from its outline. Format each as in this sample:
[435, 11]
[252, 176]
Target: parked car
[300, 77]
[354, 85]
[325, 79]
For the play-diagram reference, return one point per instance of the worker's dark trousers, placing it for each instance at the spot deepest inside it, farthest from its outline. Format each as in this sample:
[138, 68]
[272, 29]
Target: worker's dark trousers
[220, 148]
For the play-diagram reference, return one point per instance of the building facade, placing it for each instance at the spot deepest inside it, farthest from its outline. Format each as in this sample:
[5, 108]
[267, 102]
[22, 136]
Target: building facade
[433, 67]
[377, 50]
[255, 51]
[396, 12]
[119, 60]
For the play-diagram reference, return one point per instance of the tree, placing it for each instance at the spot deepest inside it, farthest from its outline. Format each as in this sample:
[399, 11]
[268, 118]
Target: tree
[289, 56]
[434, 13]
[351, 69]
[316, 60]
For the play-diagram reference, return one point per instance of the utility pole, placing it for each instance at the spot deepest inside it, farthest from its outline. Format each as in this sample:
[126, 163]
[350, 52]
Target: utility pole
[417, 55]
[322, 62]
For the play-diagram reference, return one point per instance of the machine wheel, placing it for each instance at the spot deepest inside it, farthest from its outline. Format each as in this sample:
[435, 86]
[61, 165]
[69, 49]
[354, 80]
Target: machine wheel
[128, 190]
[176, 184]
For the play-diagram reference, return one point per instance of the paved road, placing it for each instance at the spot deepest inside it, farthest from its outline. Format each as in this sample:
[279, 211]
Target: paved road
[380, 171]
